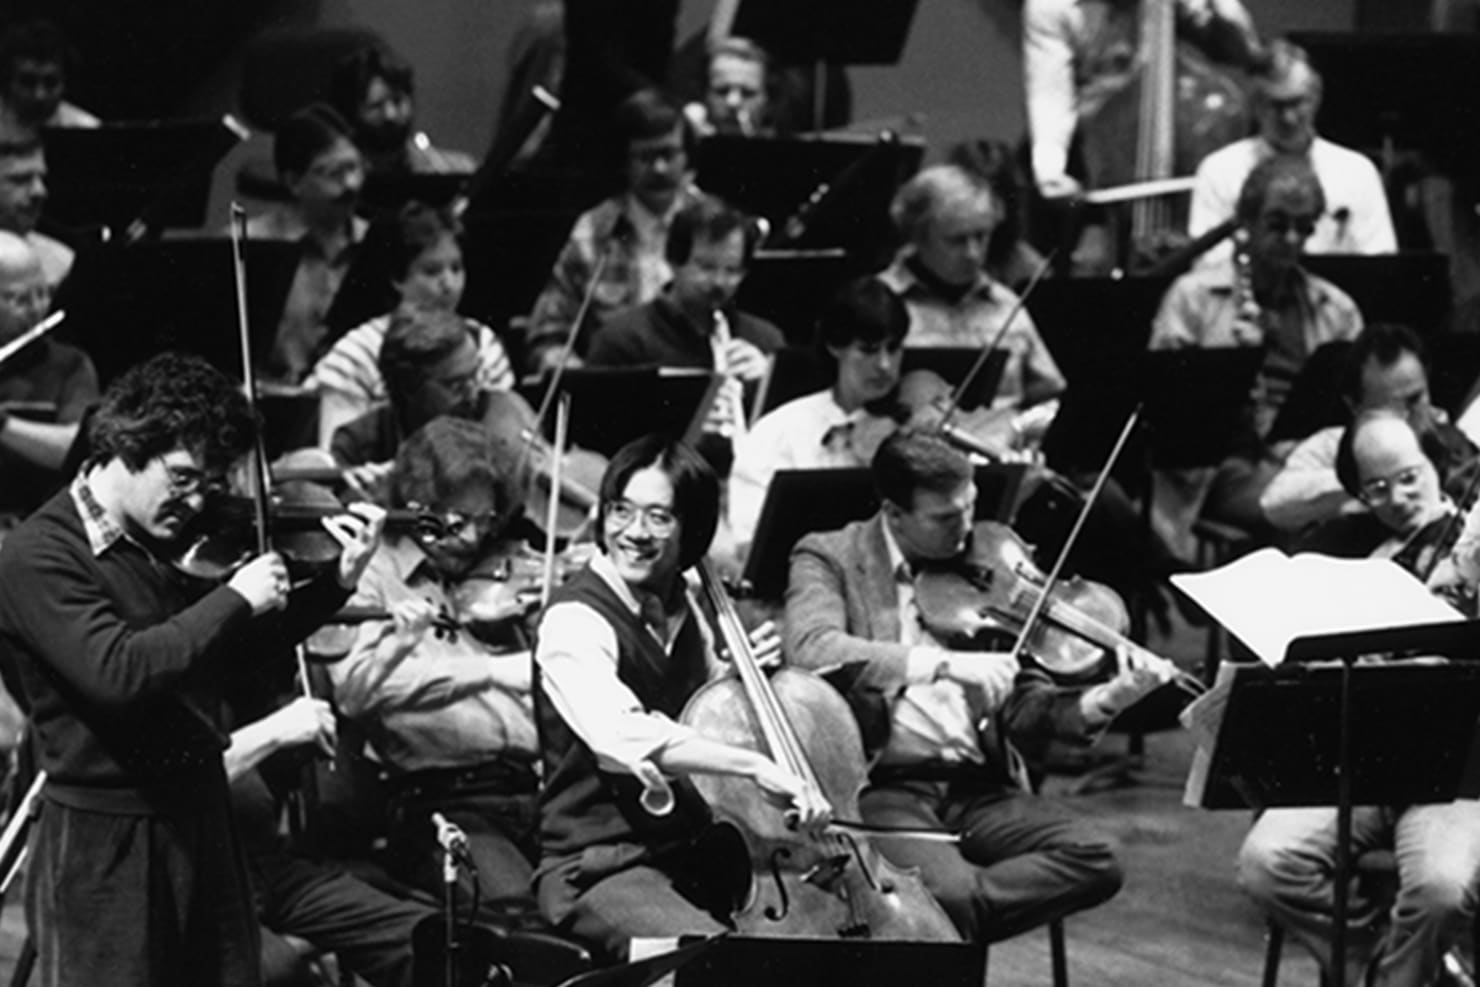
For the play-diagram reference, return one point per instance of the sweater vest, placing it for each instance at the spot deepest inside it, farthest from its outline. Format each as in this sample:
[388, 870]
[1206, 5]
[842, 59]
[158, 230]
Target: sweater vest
[583, 805]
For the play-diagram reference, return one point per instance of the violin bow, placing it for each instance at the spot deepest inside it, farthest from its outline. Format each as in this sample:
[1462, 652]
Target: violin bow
[261, 480]
[959, 392]
[552, 508]
[1052, 579]
[567, 348]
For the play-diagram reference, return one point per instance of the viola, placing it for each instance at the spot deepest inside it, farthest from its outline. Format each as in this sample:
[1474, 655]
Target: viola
[522, 453]
[991, 592]
[836, 885]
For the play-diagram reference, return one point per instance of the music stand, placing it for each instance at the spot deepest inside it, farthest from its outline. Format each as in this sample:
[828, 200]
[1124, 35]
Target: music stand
[154, 173]
[611, 406]
[741, 961]
[1297, 735]
[1315, 399]
[799, 502]
[1410, 288]
[1194, 401]
[817, 192]
[791, 287]
[126, 302]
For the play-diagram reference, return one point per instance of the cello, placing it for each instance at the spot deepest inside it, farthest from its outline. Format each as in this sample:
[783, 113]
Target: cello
[838, 885]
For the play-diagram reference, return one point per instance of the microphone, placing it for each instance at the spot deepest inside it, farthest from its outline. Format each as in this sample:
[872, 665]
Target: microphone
[452, 840]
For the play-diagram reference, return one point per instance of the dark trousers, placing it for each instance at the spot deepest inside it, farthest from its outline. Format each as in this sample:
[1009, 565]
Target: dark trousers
[367, 929]
[124, 899]
[1022, 860]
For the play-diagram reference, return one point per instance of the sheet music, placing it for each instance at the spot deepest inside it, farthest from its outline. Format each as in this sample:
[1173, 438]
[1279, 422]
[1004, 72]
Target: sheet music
[1267, 598]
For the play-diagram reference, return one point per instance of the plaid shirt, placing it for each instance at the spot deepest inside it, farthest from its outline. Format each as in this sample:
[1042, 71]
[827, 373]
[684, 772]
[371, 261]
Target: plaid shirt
[102, 532]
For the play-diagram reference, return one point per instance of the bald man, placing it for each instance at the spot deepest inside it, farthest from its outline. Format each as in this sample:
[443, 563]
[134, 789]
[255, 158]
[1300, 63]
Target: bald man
[44, 388]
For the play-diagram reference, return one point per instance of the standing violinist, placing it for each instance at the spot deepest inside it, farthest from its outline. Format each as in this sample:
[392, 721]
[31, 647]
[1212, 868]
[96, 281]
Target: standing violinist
[621, 649]
[448, 716]
[1077, 55]
[1286, 99]
[1288, 858]
[135, 873]
[942, 723]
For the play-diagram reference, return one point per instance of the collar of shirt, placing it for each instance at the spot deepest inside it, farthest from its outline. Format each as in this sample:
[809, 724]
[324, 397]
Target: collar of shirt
[408, 562]
[904, 572]
[835, 423]
[102, 532]
[648, 225]
[1221, 279]
[648, 609]
[903, 282]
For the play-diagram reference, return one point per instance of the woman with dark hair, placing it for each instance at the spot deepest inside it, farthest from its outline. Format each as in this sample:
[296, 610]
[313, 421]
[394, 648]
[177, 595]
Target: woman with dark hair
[423, 263]
[621, 649]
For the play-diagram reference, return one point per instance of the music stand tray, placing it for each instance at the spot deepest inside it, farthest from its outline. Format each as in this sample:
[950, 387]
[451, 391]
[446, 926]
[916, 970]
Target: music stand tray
[1411, 288]
[1195, 400]
[791, 287]
[802, 501]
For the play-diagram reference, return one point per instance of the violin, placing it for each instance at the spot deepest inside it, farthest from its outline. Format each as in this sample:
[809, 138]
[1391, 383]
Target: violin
[224, 535]
[836, 885]
[522, 453]
[988, 595]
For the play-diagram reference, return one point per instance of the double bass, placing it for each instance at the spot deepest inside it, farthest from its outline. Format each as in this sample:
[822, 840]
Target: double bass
[1153, 124]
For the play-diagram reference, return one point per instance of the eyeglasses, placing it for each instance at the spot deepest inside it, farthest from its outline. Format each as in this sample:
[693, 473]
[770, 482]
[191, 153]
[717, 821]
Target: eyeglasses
[659, 520]
[431, 526]
[185, 481]
[37, 296]
[1380, 490]
[1281, 223]
[655, 155]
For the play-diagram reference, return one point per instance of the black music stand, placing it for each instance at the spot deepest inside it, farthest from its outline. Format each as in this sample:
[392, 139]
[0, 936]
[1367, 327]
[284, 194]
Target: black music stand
[1194, 401]
[128, 301]
[740, 961]
[1411, 288]
[799, 502]
[1315, 399]
[611, 406]
[1289, 735]
[135, 178]
[817, 192]
[791, 287]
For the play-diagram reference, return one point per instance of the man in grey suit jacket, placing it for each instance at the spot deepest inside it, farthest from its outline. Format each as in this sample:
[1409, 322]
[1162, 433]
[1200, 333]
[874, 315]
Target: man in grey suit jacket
[941, 724]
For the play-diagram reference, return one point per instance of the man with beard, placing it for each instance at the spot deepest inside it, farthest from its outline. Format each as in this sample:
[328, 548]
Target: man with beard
[135, 874]
[372, 89]
[625, 235]
[47, 375]
[693, 323]
[1286, 98]
[22, 197]
[448, 716]
[323, 172]
[862, 332]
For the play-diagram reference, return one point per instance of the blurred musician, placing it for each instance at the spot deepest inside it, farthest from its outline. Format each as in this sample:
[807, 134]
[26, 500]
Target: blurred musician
[1288, 857]
[625, 234]
[1287, 97]
[44, 388]
[423, 263]
[946, 215]
[135, 873]
[22, 198]
[862, 332]
[1259, 297]
[693, 322]
[737, 91]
